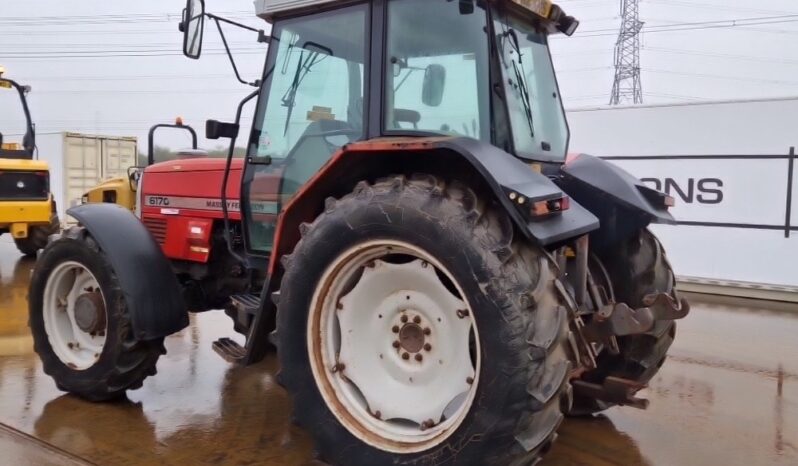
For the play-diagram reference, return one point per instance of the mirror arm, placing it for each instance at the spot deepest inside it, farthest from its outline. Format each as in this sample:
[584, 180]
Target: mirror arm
[227, 48]
[226, 177]
[262, 37]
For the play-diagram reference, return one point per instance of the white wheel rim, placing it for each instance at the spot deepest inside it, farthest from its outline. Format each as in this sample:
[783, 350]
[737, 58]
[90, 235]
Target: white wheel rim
[397, 403]
[76, 348]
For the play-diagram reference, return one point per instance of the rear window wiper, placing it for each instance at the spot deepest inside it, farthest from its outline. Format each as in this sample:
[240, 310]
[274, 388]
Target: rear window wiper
[520, 78]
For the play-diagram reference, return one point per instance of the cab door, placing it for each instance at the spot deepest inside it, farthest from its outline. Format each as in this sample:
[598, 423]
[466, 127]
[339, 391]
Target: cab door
[310, 105]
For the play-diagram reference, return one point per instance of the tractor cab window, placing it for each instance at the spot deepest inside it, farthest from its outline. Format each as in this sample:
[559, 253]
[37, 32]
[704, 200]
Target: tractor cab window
[437, 69]
[311, 105]
[537, 117]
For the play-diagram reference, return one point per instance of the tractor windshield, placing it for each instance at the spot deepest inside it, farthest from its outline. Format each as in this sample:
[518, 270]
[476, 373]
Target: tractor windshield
[442, 76]
[536, 115]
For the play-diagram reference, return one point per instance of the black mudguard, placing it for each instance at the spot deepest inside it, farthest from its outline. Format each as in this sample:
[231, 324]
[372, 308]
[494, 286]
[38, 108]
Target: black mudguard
[505, 173]
[145, 275]
[621, 201]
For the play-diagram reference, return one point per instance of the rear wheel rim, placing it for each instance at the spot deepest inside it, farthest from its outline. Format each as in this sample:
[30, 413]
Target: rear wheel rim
[71, 286]
[394, 346]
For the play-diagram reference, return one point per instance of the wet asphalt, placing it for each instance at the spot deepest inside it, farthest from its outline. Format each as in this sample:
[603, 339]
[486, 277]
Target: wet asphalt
[728, 395]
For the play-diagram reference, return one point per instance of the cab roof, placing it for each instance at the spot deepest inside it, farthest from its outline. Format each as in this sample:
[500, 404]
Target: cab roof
[269, 9]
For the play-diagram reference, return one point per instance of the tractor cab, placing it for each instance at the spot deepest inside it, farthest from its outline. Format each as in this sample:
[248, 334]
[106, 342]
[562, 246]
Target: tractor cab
[339, 72]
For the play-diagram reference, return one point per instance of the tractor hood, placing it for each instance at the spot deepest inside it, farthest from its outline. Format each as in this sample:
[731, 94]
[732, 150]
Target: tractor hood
[194, 165]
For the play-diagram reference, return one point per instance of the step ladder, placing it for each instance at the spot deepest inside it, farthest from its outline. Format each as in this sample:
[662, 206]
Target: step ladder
[228, 349]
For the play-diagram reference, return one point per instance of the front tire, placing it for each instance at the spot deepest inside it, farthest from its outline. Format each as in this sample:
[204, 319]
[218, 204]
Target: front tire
[439, 247]
[81, 324]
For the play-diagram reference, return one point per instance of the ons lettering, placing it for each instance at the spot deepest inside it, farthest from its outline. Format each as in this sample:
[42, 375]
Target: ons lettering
[693, 190]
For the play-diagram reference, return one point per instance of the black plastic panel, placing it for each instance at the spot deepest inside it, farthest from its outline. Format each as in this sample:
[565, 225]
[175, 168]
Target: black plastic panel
[145, 275]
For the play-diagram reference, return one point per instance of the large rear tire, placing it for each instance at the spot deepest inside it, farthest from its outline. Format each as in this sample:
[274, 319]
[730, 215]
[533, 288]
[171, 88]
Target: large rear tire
[637, 268]
[81, 324]
[400, 253]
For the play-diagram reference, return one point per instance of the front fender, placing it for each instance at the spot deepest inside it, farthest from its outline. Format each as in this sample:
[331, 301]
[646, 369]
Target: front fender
[148, 283]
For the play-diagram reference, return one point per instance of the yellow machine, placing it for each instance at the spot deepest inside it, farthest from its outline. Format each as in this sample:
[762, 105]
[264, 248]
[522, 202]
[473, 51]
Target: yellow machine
[121, 190]
[27, 208]
[113, 191]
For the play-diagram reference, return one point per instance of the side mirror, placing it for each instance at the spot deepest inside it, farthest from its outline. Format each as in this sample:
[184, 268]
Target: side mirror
[434, 83]
[217, 129]
[568, 25]
[193, 26]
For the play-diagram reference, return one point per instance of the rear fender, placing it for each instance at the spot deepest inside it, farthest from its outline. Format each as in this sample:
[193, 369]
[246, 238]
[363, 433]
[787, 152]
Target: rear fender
[149, 285]
[621, 201]
[469, 160]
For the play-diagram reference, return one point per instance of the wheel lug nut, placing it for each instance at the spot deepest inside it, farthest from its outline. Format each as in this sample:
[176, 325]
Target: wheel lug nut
[404, 319]
[419, 357]
[395, 329]
[427, 331]
[417, 319]
[405, 356]
[427, 347]
[462, 313]
[396, 344]
[469, 380]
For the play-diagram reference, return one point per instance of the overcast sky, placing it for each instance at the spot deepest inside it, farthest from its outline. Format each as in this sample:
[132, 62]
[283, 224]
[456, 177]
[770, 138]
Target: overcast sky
[114, 67]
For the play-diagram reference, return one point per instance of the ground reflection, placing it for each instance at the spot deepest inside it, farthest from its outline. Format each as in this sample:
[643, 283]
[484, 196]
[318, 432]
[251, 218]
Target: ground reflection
[728, 395]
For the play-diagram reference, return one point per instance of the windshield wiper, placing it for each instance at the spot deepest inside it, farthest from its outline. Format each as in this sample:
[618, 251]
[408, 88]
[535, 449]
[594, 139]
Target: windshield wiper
[302, 69]
[520, 79]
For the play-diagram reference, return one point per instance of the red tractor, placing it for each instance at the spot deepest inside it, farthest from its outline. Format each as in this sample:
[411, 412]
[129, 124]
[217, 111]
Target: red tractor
[441, 284]
[179, 202]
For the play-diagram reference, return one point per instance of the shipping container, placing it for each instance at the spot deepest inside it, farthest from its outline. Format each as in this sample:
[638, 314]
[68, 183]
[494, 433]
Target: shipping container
[79, 162]
[729, 167]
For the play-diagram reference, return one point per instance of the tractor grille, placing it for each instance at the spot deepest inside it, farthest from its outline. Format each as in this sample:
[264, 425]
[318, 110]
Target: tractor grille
[24, 186]
[157, 228]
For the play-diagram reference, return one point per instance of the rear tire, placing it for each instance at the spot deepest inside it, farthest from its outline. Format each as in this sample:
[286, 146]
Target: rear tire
[520, 328]
[123, 362]
[637, 267]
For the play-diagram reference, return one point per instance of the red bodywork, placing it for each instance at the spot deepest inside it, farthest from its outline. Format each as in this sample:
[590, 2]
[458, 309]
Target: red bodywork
[181, 200]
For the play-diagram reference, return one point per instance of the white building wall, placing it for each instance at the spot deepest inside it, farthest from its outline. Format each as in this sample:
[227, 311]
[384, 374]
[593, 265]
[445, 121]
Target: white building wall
[753, 191]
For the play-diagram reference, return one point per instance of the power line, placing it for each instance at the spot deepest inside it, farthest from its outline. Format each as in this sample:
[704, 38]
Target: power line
[692, 26]
[697, 53]
[716, 7]
[38, 21]
[719, 76]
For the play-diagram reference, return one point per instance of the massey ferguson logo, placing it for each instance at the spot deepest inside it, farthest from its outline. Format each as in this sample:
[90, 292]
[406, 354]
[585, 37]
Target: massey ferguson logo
[214, 205]
[695, 190]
